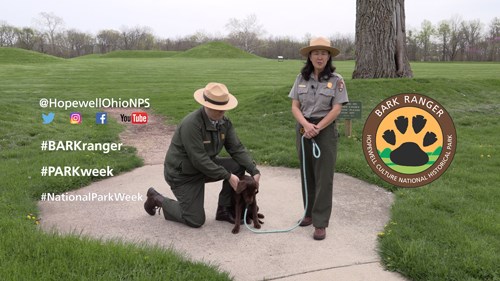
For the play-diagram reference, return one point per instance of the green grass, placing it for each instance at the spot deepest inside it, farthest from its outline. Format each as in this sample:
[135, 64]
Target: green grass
[447, 230]
[215, 50]
[385, 156]
[139, 54]
[15, 56]
[50, 257]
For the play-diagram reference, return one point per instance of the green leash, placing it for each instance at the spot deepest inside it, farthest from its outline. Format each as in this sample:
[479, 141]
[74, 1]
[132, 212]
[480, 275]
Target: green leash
[316, 153]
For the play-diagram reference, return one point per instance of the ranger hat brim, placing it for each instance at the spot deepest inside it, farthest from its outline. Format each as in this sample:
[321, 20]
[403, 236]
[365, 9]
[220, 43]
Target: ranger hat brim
[215, 96]
[320, 43]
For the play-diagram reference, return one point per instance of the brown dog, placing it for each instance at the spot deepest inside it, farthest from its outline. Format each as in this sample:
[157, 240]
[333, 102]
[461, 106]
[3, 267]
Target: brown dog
[246, 198]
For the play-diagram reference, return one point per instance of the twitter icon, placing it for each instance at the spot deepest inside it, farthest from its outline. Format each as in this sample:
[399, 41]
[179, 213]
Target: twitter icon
[47, 118]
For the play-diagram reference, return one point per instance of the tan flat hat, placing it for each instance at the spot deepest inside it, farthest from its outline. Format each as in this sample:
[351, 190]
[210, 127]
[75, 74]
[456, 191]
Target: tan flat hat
[215, 96]
[319, 43]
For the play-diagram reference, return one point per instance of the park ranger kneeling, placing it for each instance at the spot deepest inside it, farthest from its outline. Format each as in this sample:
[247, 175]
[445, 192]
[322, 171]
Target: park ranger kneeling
[192, 161]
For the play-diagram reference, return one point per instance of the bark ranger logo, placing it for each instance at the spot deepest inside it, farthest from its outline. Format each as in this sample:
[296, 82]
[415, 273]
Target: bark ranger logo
[409, 140]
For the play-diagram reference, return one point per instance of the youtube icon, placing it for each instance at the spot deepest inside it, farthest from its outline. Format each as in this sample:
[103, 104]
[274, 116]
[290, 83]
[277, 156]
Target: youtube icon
[139, 118]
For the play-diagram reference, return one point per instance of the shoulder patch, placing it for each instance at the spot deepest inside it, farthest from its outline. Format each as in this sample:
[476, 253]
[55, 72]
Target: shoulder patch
[340, 85]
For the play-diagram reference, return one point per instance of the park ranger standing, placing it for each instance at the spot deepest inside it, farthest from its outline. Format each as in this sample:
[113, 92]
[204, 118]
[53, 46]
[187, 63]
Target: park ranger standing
[317, 98]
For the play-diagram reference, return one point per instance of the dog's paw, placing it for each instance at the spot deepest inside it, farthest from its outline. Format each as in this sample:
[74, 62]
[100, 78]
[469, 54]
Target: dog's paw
[256, 225]
[235, 230]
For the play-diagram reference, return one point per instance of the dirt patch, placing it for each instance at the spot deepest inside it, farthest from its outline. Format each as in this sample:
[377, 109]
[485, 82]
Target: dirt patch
[151, 140]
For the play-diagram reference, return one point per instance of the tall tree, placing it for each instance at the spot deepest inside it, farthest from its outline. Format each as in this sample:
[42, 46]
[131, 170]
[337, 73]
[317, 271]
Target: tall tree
[137, 38]
[51, 25]
[245, 33]
[493, 38]
[78, 43]
[443, 31]
[7, 35]
[456, 36]
[381, 40]
[471, 31]
[26, 38]
[424, 37]
[108, 40]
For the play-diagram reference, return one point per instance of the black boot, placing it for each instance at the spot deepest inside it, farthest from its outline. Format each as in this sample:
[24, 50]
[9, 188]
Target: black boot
[225, 214]
[154, 201]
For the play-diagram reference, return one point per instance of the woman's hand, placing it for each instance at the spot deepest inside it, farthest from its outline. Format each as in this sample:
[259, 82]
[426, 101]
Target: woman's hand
[311, 130]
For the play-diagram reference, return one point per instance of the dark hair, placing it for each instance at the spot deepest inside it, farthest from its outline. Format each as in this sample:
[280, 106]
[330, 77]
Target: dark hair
[325, 74]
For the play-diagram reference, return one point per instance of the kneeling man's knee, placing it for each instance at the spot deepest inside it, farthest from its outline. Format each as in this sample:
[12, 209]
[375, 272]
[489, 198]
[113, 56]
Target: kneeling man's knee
[196, 222]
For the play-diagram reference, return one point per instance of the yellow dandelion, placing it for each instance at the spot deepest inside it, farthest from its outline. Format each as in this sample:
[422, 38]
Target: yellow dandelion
[381, 234]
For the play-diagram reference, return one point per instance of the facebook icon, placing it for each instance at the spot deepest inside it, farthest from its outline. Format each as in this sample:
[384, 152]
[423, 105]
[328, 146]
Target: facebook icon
[101, 118]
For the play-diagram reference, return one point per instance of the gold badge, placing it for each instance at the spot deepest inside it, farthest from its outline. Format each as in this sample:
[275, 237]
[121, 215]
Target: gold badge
[329, 85]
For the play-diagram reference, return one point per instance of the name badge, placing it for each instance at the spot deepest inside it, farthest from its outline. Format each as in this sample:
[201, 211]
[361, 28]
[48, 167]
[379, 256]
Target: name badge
[302, 86]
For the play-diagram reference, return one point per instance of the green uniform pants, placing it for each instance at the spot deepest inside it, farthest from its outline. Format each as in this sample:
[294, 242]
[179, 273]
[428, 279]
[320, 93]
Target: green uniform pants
[319, 173]
[190, 193]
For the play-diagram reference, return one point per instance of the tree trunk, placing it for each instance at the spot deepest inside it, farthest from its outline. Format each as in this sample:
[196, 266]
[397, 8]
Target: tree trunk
[381, 40]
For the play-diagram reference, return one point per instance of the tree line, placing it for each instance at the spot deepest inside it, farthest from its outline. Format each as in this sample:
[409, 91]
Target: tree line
[455, 40]
[448, 40]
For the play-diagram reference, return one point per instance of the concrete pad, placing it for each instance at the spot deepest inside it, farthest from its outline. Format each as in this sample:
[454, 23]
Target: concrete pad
[359, 272]
[349, 252]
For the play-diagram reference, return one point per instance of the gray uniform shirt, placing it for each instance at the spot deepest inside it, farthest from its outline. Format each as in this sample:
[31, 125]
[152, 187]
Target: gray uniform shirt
[317, 98]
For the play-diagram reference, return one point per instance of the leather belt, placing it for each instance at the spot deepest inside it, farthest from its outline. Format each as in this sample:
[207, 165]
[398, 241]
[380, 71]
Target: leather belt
[314, 121]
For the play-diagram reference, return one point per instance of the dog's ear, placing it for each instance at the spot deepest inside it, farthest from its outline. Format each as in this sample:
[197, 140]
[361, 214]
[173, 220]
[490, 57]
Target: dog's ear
[242, 185]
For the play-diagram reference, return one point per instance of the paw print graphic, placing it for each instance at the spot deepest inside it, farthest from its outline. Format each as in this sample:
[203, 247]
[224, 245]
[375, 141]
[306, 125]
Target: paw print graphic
[409, 140]
[410, 153]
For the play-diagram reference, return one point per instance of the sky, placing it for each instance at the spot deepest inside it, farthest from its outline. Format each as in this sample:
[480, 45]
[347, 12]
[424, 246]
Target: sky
[173, 19]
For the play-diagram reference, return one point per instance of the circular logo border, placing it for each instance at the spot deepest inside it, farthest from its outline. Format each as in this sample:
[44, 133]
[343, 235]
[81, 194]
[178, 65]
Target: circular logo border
[369, 141]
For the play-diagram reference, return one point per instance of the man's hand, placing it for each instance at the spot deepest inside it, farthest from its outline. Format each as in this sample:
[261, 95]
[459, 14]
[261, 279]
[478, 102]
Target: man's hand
[233, 181]
[256, 177]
